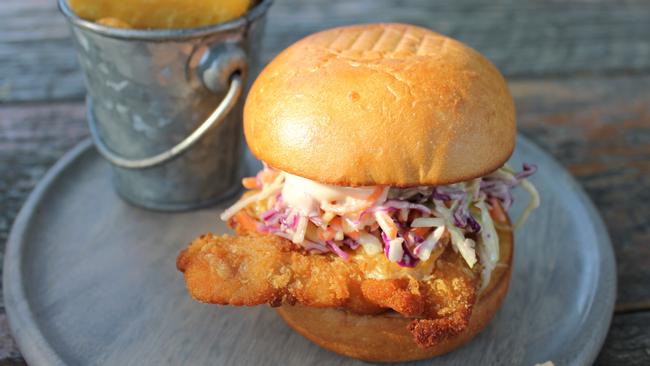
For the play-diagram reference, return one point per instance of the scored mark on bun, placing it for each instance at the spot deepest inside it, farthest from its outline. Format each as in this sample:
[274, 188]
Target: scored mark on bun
[394, 41]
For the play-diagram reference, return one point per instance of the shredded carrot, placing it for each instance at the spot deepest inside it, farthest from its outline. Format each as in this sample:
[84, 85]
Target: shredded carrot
[414, 214]
[245, 221]
[249, 182]
[376, 194]
[371, 199]
[387, 224]
[336, 223]
[326, 234]
[268, 176]
[422, 231]
[336, 226]
[497, 211]
[353, 234]
[392, 233]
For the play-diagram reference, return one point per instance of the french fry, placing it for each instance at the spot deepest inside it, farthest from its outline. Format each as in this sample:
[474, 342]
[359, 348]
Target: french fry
[158, 14]
[114, 22]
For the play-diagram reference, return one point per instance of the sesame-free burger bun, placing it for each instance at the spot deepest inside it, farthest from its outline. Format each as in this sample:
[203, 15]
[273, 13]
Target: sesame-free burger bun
[381, 104]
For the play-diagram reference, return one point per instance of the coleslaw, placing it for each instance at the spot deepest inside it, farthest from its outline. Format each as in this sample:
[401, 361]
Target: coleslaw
[409, 225]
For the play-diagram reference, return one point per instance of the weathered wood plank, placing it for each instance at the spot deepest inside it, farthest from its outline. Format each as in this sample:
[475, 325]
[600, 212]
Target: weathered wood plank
[9, 354]
[532, 38]
[523, 38]
[32, 138]
[600, 130]
[37, 61]
[628, 341]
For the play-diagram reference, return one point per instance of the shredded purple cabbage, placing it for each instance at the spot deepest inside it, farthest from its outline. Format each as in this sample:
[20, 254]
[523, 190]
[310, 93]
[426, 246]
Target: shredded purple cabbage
[444, 193]
[528, 170]
[384, 238]
[499, 186]
[266, 216]
[408, 205]
[336, 249]
[310, 245]
[464, 219]
[496, 186]
[408, 259]
[351, 243]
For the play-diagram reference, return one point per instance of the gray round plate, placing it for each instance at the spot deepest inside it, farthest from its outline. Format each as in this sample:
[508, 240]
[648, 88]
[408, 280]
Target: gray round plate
[89, 279]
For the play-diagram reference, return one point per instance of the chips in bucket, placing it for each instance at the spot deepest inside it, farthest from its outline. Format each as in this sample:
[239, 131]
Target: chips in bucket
[158, 14]
[113, 22]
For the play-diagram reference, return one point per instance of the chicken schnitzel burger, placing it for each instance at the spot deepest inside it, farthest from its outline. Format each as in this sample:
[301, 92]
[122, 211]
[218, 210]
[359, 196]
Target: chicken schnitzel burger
[378, 226]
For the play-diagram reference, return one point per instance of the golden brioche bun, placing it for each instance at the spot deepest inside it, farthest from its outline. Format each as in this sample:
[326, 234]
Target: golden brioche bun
[388, 104]
[385, 337]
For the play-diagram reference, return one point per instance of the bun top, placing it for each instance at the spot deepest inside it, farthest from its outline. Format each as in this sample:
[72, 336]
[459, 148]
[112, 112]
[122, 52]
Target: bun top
[381, 104]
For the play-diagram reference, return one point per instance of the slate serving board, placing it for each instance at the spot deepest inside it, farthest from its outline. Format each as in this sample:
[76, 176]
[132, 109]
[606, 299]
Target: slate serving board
[90, 280]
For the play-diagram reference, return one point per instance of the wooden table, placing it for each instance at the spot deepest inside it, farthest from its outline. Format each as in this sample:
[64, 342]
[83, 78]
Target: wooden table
[579, 72]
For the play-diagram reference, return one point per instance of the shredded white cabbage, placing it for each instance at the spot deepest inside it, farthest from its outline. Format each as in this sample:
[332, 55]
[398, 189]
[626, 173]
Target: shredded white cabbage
[489, 250]
[370, 243]
[427, 222]
[385, 222]
[532, 204]
[395, 251]
[458, 241]
[467, 249]
[430, 243]
[269, 190]
[301, 229]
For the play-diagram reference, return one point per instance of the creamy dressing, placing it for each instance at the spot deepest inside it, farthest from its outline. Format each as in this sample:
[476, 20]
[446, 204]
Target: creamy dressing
[308, 196]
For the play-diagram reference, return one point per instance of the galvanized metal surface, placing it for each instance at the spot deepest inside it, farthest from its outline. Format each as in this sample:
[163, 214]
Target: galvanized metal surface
[91, 280]
[151, 89]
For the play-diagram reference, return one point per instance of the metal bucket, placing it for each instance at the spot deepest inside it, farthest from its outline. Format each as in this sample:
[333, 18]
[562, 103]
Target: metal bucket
[164, 106]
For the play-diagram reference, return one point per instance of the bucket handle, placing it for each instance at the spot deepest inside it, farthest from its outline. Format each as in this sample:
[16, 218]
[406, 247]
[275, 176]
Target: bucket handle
[215, 119]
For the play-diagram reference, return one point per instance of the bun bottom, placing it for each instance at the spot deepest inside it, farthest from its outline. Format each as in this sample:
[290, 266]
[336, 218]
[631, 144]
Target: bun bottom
[385, 337]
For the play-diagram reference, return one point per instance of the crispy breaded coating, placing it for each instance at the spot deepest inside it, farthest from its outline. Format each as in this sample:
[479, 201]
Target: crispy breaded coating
[264, 269]
[256, 269]
[402, 295]
[449, 298]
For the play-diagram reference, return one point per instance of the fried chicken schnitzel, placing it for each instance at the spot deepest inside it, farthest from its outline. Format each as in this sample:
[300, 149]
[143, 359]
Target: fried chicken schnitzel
[265, 269]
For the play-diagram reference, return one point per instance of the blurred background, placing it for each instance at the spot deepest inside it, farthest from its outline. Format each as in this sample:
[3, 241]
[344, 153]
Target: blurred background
[579, 72]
